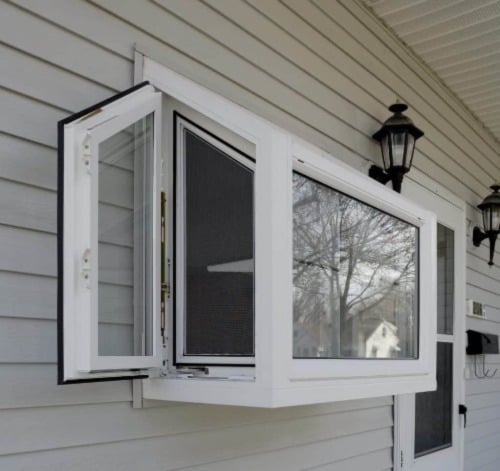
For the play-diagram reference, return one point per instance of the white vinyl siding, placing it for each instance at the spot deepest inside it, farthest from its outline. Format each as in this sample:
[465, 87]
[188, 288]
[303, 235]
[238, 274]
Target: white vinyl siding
[325, 70]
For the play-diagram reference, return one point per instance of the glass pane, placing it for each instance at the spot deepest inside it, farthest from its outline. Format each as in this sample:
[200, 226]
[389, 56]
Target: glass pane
[398, 147]
[125, 243]
[433, 410]
[219, 296]
[445, 279]
[355, 286]
[495, 219]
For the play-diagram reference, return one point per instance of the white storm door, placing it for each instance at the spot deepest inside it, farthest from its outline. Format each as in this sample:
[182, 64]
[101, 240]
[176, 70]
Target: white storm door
[110, 238]
[429, 429]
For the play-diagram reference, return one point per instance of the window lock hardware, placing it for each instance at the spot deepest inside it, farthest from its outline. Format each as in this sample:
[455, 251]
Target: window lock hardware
[86, 152]
[165, 287]
[192, 371]
[86, 268]
[462, 410]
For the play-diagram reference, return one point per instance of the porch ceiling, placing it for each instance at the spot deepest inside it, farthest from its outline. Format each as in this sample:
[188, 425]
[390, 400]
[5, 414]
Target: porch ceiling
[460, 41]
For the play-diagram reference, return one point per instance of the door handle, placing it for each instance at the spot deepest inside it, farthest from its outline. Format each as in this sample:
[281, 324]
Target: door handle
[462, 410]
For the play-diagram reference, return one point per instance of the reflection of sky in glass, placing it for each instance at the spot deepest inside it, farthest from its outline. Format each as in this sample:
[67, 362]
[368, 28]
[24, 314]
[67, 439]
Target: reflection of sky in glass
[354, 277]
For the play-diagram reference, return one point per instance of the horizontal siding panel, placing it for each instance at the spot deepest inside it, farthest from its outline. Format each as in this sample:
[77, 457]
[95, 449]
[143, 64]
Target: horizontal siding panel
[480, 446]
[29, 119]
[31, 385]
[26, 251]
[242, 431]
[27, 341]
[182, 441]
[88, 21]
[483, 281]
[28, 162]
[305, 456]
[486, 457]
[377, 461]
[479, 416]
[480, 386]
[478, 401]
[24, 295]
[64, 90]
[24, 31]
[480, 431]
[27, 206]
[477, 260]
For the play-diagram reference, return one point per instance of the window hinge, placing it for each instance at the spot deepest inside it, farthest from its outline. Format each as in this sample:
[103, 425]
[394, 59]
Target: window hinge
[401, 460]
[86, 268]
[86, 152]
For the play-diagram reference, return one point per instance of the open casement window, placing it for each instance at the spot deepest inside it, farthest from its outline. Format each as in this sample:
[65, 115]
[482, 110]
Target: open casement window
[109, 238]
[286, 277]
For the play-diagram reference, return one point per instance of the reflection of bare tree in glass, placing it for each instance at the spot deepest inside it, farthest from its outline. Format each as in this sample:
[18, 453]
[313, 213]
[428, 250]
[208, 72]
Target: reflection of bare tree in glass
[353, 270]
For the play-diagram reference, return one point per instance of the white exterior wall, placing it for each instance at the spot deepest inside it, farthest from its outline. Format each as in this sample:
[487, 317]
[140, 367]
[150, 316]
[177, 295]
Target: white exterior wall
[325, 70]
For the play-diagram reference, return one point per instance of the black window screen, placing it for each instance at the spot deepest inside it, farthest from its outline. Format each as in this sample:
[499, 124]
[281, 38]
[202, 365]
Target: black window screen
[433, 410]
[219, 250]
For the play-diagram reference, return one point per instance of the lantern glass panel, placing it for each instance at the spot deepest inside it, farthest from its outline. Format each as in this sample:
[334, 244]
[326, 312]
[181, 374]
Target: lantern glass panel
[491, 218]
[386, 156]
[398, 147]
[486, 219]
[495, 218]
[410, 147]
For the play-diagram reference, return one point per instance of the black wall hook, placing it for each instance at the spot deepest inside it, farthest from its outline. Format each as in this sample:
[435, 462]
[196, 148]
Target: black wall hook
[479, 343]
[485, 373]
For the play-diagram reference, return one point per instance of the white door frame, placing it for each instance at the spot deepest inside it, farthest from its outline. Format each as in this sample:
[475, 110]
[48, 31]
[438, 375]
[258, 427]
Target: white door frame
[450, 212]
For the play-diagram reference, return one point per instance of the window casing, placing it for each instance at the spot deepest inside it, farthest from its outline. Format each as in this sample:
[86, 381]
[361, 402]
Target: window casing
[276, 378]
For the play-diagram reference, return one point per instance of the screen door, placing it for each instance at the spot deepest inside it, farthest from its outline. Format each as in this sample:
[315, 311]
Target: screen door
[429, 427]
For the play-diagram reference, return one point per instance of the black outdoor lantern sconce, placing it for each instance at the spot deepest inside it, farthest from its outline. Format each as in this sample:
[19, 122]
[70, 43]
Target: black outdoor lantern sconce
[397, 138]
[490, 207]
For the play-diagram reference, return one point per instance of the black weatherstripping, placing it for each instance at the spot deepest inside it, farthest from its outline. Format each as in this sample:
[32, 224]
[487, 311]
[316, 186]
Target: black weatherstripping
[60, 236]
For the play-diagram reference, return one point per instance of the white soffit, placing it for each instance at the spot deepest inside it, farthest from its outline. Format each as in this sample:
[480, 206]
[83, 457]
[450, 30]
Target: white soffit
[459, 40]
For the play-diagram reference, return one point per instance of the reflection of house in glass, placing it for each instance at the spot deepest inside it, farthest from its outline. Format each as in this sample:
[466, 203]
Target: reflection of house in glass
[383, 341]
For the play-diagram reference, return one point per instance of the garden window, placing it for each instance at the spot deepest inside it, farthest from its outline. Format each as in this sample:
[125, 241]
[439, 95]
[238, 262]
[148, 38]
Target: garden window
[223, 260]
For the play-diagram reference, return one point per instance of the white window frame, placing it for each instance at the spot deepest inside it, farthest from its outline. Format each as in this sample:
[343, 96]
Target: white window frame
[313, 164]
[280, 380]
[80, 238]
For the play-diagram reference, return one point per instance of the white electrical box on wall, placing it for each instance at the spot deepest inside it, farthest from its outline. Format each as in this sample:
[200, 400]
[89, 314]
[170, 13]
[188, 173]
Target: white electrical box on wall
[476, 309]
